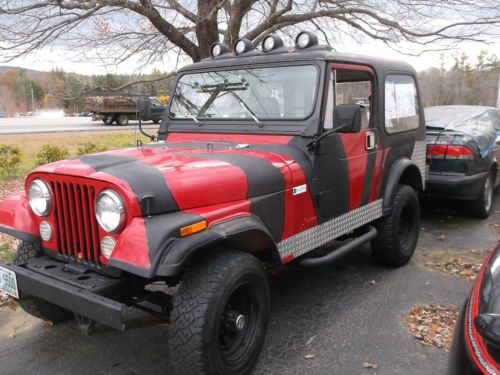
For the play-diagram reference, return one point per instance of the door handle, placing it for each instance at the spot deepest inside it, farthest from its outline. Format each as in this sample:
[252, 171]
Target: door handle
[370, 141]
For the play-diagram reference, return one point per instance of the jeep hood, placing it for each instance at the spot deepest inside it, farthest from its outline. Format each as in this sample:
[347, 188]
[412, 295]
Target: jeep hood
[180, 177]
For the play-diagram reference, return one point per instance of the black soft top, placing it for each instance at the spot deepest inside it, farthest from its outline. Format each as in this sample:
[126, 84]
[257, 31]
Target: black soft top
[291, 54]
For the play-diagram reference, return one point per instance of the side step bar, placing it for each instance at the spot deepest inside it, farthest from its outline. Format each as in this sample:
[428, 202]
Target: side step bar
[341, 251]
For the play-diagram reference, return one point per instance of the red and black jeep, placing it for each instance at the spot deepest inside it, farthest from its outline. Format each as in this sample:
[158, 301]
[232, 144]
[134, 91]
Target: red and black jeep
[262, 157]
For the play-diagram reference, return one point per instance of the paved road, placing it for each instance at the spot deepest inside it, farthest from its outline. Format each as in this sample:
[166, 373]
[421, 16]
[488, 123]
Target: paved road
[60, 124]
[335, 313]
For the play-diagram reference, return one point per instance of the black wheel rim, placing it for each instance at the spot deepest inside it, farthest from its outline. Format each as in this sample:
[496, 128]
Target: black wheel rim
[405, 226]
[235, 345]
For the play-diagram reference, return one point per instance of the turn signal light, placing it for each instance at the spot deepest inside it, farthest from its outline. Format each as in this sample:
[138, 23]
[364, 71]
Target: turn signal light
[193, 228]
[449, 152]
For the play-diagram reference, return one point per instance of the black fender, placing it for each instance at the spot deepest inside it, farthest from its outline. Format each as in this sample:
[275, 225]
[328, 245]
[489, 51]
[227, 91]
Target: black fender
[403, 171]
[246, 233]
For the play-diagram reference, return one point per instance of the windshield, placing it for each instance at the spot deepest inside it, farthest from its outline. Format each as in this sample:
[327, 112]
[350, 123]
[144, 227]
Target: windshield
[253, 94]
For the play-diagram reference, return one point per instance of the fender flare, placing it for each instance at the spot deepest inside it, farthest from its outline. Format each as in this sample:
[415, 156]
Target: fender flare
[248, 234]
[402, 166]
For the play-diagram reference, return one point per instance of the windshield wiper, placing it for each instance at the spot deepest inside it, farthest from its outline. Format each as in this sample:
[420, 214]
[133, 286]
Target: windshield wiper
[188, 109]
[247, 109]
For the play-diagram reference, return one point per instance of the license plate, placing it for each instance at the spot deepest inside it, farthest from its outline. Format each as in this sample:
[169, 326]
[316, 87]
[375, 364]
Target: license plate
[8, 282]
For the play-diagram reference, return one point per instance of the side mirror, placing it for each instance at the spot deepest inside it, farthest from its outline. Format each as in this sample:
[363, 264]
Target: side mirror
[144, 108]
[347, 117]
[488, 326]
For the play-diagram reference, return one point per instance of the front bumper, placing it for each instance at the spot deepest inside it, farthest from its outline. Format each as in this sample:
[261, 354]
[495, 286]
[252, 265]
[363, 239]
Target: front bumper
[455, 186]
[87, 294]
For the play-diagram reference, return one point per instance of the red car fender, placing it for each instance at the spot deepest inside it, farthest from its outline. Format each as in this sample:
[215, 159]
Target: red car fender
[16, 218]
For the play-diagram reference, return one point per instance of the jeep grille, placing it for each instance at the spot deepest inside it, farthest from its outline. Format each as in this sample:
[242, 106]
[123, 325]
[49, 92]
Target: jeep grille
[77, 231]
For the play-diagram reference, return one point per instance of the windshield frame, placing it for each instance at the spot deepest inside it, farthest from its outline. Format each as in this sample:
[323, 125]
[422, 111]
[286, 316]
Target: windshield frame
[238, 125]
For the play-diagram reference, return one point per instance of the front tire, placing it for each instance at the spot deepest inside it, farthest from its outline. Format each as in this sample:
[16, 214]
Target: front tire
[32, 305]
[481, 206]
[220, 315]
[398, 232]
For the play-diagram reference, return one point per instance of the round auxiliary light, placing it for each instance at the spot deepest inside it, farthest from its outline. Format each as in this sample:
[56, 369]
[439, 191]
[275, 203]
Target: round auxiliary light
[243, 45]
[305, 39]
[218, 49]
[39, 197]
[45, 231]
[110, 210]
[107, 246]
[271, 42]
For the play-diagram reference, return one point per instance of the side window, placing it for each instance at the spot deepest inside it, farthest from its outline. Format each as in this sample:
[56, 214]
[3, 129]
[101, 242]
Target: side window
[351, 88]
[401, 104]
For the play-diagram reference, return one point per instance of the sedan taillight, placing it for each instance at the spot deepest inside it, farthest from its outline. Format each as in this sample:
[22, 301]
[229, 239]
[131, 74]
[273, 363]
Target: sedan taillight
[449, 152]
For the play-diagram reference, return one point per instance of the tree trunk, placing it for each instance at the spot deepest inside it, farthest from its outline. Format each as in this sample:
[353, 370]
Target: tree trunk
[206, 27]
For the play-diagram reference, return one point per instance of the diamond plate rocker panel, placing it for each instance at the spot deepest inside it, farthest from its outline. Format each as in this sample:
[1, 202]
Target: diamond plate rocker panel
[418, 156]
[319, 235]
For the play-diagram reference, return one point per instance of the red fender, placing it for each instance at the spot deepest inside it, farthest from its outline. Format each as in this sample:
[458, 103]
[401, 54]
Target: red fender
[15, 217]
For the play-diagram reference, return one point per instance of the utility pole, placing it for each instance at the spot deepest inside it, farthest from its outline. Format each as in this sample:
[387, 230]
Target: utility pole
[32, 98]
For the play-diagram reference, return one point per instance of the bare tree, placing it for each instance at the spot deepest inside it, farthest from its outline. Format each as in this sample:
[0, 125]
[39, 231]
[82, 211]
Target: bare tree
[114, 31]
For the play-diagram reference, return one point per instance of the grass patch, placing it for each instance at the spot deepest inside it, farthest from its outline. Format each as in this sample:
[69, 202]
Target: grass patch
[5, 253]
[462, 264]
[73, 141]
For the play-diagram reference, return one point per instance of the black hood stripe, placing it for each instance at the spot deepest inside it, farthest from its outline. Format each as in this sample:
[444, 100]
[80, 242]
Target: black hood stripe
[289, 150]
[144, 179]
[265, 187]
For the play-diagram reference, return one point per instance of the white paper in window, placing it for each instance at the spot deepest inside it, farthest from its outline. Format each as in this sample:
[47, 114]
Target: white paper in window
[405, 96]
[390, 100]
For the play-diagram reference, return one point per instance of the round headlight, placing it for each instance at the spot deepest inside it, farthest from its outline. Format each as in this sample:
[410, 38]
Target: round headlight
[216, 50]
[110, 210]
[240, 46]
[305, 39]
[39, 197]
[271, 42]
[268, 44]
[243, 45]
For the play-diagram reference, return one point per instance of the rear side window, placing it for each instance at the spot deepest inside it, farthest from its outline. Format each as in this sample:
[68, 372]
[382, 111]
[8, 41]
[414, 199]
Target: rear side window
[401, 105]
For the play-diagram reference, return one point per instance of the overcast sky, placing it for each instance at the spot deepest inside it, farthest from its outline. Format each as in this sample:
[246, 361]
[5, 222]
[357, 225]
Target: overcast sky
[47, 59]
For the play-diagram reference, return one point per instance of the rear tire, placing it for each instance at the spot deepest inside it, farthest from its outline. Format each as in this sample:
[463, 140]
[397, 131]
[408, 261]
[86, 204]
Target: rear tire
[220, 315]
[108, 120]
[32, 305]
[481, 206]
[122, 119]
[398, 233]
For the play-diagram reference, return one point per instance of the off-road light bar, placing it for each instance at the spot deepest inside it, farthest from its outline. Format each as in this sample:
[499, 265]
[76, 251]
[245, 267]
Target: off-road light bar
[271, 42]
[305, 39]
[242, 46]
[218, 49]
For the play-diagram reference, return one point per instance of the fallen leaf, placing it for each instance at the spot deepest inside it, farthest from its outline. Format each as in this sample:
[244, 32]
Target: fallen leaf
[309, 356]
[369, 365]
[441, 237]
